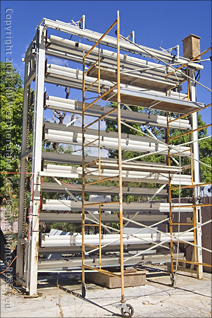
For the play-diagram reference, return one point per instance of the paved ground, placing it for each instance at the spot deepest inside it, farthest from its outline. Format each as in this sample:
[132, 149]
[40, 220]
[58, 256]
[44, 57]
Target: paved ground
[190, 298]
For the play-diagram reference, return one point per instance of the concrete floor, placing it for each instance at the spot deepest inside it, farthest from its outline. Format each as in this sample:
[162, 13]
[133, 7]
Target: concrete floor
[190, 298]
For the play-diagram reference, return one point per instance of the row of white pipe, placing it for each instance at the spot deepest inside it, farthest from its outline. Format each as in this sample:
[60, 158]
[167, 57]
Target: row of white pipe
[68, 105]
[112, 239]
[93, 173]
[69, 205]
[69, 137]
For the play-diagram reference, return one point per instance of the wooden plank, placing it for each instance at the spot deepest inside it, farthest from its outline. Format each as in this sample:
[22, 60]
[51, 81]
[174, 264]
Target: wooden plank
[144, 81]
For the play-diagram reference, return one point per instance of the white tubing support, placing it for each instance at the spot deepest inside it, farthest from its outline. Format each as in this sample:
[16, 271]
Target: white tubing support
[111, 41]
[196, 176]
[139, 231]
[75, 106]
[36, 161]
[110, 141]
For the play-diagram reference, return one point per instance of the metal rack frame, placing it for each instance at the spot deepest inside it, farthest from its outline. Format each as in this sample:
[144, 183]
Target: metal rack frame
[112, 89]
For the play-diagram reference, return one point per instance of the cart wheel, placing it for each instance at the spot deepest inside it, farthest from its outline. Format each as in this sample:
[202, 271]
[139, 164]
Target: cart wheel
[127, 313]
[83, 291]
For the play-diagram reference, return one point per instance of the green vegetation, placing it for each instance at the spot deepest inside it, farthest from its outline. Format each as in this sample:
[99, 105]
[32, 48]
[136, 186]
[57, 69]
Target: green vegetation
[11, 95]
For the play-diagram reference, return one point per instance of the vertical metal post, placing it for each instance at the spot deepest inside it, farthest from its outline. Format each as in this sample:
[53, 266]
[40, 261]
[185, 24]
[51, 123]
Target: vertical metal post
[100, 238]
[21, 218]
[83, 179]
[120, 161]
[194, 210]
[99, 149]
[36, 160]
[100, 211]
[196, 176]
[99, 70]
[170, 206]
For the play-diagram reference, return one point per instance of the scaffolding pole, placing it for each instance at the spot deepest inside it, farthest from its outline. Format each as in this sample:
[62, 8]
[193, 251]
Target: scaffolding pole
[125, 308]
[196, 174]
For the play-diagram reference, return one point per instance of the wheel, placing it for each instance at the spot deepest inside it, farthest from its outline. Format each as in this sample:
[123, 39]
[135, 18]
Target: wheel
[83, 291]
[127, 313]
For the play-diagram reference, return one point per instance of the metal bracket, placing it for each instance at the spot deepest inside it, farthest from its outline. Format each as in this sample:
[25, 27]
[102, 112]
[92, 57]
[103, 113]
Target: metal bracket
[81, 22]
[132, 36]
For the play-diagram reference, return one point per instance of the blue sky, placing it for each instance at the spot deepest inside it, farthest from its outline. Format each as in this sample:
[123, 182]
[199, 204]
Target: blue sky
[156, 24]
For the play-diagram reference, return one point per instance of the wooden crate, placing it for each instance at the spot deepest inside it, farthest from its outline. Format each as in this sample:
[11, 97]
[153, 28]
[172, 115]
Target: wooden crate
[131, 278]
[191, 46]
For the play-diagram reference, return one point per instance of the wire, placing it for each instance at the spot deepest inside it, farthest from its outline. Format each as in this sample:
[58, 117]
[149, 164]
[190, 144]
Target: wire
[5, 172]
[9, 265]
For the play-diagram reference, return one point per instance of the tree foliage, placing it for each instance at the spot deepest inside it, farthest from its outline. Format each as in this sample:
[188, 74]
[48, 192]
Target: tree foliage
[11, 95]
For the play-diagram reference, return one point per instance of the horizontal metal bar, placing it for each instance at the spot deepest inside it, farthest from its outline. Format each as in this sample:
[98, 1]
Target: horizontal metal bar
[86, 145]
[76, 262]
[181, 224]
[52, 217]
[191, 262]
[100, 118]
[91, 85]
[189, 113]
[65, 158]
[88, 245]
[191, 186]
[100, 203]
[190, 132]
[102, 180]
[192, 206]
[100, 97]
[92, 66]
[88, 163]
[77, 188]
